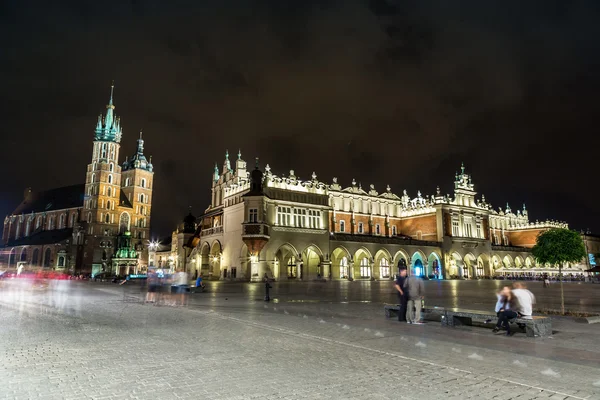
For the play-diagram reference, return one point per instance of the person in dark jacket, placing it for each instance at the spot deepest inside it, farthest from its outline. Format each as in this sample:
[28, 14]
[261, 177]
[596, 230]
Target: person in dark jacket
[267, 287]
[402, 294]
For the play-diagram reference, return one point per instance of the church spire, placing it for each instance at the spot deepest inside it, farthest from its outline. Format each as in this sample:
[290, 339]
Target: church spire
[216, 173]
[140, 144]
[109, 128]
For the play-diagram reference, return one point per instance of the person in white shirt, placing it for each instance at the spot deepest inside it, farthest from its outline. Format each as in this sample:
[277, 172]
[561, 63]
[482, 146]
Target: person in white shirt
[525, 299]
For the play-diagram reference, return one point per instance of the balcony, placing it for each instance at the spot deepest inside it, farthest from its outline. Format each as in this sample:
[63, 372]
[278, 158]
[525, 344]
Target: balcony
[212, 231]
[256, 230]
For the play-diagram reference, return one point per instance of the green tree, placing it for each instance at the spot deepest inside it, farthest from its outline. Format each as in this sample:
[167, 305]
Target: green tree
[559, 246]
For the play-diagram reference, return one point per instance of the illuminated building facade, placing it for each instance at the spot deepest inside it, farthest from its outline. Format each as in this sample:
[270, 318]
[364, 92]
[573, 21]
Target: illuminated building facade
[101, 225]
[294, 229]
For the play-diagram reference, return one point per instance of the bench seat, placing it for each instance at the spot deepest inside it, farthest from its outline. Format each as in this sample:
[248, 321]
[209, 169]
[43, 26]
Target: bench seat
[539, 326]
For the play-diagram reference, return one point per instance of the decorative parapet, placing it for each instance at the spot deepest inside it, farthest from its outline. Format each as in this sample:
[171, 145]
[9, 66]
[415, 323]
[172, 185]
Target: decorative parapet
[212, 231]
[237, 188]
[252, 229]
[538, 225]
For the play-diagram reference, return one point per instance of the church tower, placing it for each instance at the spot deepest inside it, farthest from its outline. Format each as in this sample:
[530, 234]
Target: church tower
[137, 184]
[102, 190]
[103, 178]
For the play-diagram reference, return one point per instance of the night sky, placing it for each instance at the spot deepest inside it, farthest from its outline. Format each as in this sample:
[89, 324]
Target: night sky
[384, 91]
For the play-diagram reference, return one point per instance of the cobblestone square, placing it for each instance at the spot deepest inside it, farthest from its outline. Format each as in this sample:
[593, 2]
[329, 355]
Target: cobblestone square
[103, 342]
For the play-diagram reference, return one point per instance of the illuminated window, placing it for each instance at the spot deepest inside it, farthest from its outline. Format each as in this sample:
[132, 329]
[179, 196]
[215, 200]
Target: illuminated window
[314, 219]
[342, 226]
[479, 235]
[110, 179]
[360, 227]
[365, 269]
[299, 217]
[384, 268]
[126, 181]
[344, 268]
[455, 228]
[394, 230]
[284, 216]
[143, 183]
[377, 229]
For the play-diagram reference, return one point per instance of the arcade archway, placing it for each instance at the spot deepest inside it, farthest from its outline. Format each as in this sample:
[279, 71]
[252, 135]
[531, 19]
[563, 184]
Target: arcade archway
[311, 266]
[340, 263]
[287, 262]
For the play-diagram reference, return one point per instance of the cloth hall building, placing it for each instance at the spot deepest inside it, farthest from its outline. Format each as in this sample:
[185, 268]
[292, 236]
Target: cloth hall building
[291, 229]
[101, 225]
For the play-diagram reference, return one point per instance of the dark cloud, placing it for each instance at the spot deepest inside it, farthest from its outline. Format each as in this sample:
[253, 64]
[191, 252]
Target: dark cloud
[382, 91]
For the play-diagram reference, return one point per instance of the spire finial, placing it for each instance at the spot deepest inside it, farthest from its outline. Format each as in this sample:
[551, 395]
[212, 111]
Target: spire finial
[462, 167]
[140, 133]
[256, 163]
[239, 154]
[227, 154]
[112, 88]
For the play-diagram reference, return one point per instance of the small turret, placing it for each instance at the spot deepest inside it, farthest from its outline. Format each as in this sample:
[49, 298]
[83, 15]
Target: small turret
[216, 174]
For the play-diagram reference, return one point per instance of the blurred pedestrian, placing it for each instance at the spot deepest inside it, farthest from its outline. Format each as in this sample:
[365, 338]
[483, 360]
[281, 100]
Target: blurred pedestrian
[402, 295]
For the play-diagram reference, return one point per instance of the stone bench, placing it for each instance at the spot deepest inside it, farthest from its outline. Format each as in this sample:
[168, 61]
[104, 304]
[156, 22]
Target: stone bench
[534, 326]
[391, 310]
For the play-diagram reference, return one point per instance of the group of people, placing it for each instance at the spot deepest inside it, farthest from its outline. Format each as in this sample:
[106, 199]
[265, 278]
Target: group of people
[167, 289]
[513, 303]
[411, 295]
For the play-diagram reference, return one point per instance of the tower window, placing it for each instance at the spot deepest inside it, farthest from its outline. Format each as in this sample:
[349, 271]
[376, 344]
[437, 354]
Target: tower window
[109, 192]
[143, 183]
[126, 181]
[111, 167]
[110, 179]
[141, 198]
[93, 179]
[103, 150]
[108, 204]
[107, 218]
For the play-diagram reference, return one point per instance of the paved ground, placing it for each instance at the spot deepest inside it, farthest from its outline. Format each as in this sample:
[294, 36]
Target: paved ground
[101, 341]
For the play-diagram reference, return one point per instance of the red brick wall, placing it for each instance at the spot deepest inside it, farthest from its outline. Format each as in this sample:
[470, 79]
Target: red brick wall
[485, 225]
[426, 224]
[342, 217]
[381, 222]
[365, 221]
[397, 223]
[525, 238]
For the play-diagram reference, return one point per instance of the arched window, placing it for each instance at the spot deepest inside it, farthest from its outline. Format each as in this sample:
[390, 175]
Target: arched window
[143, 182]
[108, 204]
[360, 227]
[143, 210]
[89, 218]
[47, 258]
[365, 268]
[18, 230]
[110, 179]
[109, 192]
[111, 167]
[35, 258]
[61, 261]
[126, 182]
[384, 268]
[38, 222]
[377, 229]
[93, 179]
[23, 255]
[394, 230]
[62, 222]
[72, 221]
[103, 150]
[342, 226]
[107, 218]
[344, 268]
[93, 166]
[141, 197]
[27, 227]
[124, 222]
[50, 225]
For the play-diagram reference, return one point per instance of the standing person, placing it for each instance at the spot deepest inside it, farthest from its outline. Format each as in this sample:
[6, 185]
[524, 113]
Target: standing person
[153, 285]
[181, 285]
[416, 293]
[402, 295]
[267, 287]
